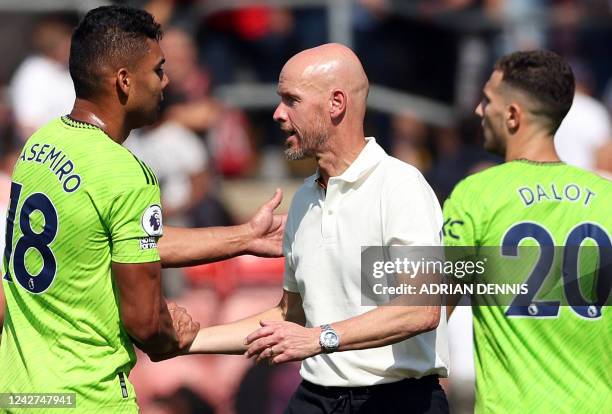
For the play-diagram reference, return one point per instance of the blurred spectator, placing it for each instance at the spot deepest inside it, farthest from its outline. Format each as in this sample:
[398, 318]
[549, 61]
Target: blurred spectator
[595, 37]
[7, 123]
[450, 163]
[188, 103]
[187, 98]
[409, 140]
[586, 128]
[247, 43]
[161, 9]
[180, 161]
[603, 163]
[190, 80]
[250, 44]
[41, 88]
[310, 28]
[523, 25]
[404, 50]
[231, 144]
[456, 156]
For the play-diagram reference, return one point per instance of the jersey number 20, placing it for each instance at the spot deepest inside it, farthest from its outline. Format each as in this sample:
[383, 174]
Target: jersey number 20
[580, 305]
[31, 240]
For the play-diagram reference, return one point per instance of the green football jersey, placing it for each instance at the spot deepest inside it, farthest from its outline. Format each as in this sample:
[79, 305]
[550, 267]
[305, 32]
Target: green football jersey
[548, 356]
[79, 201]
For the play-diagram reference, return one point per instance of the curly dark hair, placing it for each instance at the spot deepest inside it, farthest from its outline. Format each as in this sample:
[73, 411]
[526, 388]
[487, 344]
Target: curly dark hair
[108, 35]
[544, 76]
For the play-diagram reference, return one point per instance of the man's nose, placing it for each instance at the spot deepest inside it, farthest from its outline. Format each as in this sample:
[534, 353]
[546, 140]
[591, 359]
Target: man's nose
[279, 114]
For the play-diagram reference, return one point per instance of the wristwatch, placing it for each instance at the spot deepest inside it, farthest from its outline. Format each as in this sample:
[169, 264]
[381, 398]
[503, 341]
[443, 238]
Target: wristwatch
[329, 339]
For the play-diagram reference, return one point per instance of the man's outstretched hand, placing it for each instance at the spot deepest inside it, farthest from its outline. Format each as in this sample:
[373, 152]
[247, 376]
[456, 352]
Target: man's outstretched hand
[267, 228]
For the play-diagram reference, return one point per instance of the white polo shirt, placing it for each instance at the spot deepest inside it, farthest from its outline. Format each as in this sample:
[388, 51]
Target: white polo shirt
[378, 201]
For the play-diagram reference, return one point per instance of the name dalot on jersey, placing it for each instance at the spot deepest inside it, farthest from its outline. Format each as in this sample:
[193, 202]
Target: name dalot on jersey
[148, 243]
[553, 193]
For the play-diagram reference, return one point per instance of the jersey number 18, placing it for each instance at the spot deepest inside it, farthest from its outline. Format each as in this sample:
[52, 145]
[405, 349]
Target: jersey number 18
[31, 240]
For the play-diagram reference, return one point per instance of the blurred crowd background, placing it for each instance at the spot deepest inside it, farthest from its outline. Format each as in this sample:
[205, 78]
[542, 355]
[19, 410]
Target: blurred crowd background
[218, 154]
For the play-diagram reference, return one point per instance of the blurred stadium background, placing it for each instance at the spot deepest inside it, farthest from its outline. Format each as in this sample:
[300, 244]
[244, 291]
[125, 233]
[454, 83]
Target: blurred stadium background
[218, 154]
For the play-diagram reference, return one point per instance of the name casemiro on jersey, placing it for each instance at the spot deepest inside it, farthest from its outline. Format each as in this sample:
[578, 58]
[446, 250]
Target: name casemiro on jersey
[58, 163]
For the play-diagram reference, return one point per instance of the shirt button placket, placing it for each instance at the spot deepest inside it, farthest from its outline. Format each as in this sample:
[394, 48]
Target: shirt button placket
[328, 222]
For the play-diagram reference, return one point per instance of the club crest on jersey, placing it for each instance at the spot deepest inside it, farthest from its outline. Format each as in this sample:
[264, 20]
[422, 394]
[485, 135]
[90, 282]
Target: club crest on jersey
[152, 220]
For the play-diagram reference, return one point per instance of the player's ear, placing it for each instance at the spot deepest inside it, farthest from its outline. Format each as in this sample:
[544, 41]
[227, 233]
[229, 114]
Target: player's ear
[513, 117]
[337, 104]
[123, 80]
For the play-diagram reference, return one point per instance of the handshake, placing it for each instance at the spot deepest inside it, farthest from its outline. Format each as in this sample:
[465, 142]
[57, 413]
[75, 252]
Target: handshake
[276, 341]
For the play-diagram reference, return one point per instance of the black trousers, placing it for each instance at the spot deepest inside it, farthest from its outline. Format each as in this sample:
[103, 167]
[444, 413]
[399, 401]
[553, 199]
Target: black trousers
[410, 396]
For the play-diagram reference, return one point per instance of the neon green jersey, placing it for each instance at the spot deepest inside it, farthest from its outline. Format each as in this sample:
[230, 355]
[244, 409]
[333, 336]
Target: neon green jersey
[79, 201]
[541, 358]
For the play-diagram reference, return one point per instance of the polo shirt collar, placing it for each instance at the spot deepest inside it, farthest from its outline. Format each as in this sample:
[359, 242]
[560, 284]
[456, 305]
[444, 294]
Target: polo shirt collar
[367, 159]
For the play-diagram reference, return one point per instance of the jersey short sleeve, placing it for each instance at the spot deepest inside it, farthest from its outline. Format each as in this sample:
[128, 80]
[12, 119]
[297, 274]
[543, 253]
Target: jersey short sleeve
[135, 225]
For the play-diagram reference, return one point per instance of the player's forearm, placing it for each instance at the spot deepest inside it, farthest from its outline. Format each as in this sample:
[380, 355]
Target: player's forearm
[386, 325]
[187, 247]
[160, 336]
[230, 338]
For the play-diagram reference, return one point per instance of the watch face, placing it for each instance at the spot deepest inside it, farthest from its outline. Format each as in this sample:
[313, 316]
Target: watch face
[330, 339]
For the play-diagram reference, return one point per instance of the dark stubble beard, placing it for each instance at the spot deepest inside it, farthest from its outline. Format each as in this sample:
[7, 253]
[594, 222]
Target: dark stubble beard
[308, 142]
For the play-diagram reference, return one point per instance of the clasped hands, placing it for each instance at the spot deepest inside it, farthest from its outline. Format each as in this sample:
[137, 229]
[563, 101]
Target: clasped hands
[282, 341]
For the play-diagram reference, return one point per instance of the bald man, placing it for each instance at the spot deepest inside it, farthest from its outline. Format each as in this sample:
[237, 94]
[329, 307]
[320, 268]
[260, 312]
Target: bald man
[356, 358]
